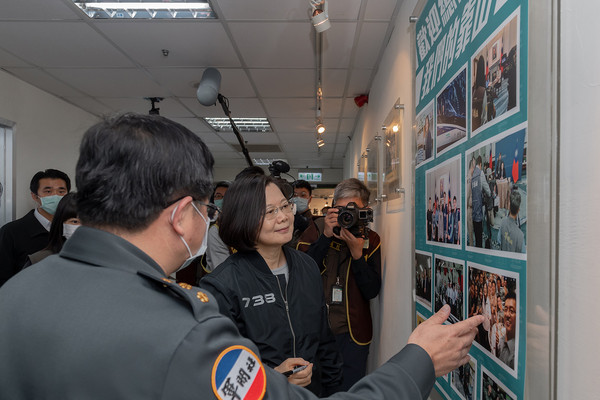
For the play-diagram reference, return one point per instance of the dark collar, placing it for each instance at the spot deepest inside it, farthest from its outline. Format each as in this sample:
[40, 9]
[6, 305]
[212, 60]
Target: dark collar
[101, 248]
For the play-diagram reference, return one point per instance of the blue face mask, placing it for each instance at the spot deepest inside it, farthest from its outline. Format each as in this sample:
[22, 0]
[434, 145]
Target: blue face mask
[218, 203]
[301, 204]
[49, 203]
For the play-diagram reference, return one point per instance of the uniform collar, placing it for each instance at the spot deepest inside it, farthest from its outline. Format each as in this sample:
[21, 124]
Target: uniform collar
[104, 249]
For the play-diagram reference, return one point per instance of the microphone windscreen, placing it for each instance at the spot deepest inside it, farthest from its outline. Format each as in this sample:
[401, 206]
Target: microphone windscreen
[208, 89]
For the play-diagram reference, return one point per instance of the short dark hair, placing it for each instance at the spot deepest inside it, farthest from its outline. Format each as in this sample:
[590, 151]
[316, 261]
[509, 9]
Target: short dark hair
[34, 186]
[479, 160]
[510, 295]
[251, 170]
[302, 184]
[67, 208]
[515, 202]
[132, 166]
[219, 184]
[243, 211]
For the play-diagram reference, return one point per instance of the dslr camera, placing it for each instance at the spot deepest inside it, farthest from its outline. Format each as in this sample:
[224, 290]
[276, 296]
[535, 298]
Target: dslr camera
[355, 219]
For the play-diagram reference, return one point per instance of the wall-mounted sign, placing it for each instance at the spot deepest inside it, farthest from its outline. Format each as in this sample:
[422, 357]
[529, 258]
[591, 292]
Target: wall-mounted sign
[310, 176]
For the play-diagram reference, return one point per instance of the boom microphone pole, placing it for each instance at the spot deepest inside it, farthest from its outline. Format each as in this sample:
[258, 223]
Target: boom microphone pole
[208, 94]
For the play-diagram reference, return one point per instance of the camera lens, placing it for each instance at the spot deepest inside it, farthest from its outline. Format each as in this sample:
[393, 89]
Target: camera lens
[346, 219]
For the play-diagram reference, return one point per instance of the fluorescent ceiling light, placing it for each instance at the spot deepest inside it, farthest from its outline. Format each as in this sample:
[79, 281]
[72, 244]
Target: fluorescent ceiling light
[243, 124]
[146, 9]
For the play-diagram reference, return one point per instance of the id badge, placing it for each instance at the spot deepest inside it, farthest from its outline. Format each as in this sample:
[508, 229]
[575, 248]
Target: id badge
[336, 294]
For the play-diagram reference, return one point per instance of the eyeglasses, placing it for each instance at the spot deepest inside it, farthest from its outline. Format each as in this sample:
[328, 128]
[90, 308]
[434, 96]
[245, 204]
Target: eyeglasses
[212, 210]
[271, 213]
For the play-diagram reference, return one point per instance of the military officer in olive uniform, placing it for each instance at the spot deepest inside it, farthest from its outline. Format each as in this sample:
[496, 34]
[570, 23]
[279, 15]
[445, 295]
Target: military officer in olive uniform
[103, 320]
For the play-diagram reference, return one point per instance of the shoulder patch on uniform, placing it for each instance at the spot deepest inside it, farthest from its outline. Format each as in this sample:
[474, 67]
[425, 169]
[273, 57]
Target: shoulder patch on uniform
[238, 374]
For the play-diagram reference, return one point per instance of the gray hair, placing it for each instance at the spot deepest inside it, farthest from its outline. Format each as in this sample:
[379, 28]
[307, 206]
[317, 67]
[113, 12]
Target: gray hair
[352, 188]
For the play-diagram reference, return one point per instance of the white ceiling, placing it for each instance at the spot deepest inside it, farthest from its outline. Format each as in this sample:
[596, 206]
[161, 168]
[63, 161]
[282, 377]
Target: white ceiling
[264, 49]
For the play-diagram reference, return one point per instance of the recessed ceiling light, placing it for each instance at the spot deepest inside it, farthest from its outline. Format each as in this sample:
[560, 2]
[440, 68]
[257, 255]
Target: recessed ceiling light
[170, 9]
[266, 161]
[243, 124]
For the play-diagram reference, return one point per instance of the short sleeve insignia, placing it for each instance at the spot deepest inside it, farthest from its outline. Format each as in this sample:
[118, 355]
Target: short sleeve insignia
[238, 374]
[202, 297]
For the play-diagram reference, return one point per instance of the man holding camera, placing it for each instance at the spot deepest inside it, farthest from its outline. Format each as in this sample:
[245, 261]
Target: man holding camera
[350, 262]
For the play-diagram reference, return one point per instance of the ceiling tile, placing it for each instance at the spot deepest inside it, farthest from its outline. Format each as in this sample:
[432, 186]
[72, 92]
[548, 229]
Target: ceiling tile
[291, 108]
[275, 44]
[91, 105]
[360, 81]
[285, 82]
[110, 82]
[37, 10]
[60, 44]
[337, 45]
[265, 10]
[381, 10]
[8, 60]
[190, 42]
[343, 10]
[42, 80]
[369, 46]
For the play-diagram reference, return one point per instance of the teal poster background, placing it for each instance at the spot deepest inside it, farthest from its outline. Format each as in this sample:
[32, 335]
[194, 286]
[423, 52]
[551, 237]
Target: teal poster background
[471, 104]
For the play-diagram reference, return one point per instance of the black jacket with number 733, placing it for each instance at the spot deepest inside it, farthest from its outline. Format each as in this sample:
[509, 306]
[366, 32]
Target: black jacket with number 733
[255, 299]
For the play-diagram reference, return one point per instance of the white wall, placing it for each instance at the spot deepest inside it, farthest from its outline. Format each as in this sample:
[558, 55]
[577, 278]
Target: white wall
[47, 133]
[578, 270]
[393, 80]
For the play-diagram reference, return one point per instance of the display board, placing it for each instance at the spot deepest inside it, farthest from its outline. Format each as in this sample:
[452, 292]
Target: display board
[471, 184]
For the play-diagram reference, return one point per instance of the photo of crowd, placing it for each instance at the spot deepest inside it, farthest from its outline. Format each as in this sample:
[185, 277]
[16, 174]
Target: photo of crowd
[451, 124]
[494, 295]
[424, 135]
[423, 278]
[463, 379]
[443, 195]
[496, 191]
[494, 78]
[449, 287]
[491, 389]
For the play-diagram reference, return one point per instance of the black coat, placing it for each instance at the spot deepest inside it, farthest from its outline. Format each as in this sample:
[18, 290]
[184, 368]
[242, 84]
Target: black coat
[18, 239]
[249, 293]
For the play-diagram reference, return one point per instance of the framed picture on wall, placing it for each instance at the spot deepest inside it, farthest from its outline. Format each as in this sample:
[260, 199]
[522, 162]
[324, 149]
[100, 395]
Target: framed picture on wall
[372, 168]
[391, 139]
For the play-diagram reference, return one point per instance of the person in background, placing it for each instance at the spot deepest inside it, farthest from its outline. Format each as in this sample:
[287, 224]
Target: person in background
[351, 271]
[64, 224]
[271, 291]
[29, 234]
[305, 229]
[217, 251]
[510, 234]
[479, 186]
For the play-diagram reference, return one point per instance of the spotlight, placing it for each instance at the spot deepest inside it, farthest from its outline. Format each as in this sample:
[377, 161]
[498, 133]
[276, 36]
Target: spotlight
[320, 143]
[395, 128]
[320, 15]
[320, 128]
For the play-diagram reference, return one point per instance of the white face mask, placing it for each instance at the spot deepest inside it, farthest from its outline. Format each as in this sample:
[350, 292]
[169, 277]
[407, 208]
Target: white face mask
[203, 246]
[68, 230]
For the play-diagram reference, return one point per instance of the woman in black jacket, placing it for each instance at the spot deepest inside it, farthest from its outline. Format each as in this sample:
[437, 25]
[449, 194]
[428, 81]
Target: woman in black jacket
[272, 292]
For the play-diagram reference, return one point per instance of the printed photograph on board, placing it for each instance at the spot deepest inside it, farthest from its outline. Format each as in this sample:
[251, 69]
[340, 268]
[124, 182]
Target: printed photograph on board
[494, 68]
[464, 379]
[496, 191]
[493, 294]
[420, 318]
[424, 135]
[443, 194]
[492, 388]
[423, 276]
[451, 123]
[449, 287]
